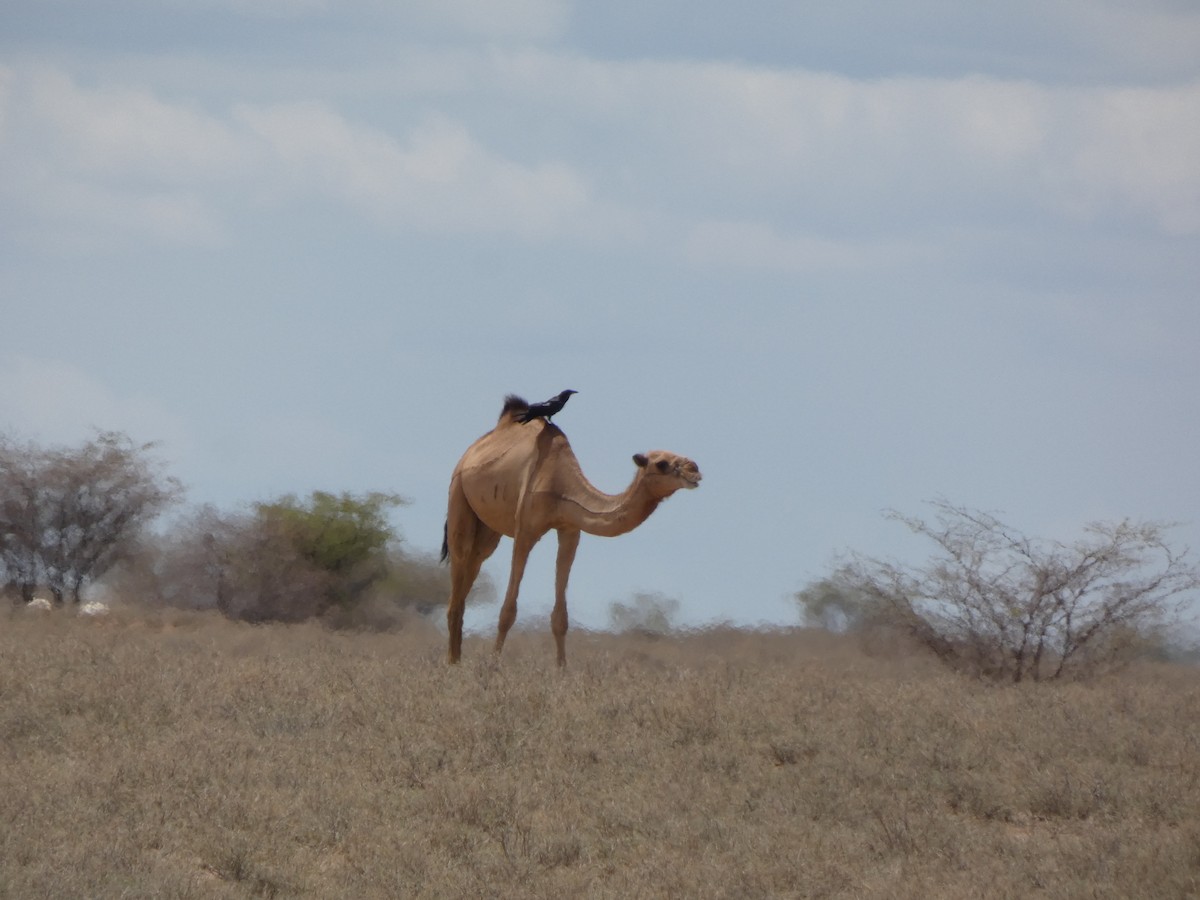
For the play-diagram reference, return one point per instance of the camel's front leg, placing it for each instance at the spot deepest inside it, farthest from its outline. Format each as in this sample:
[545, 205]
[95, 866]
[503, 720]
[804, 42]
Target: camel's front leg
[568, 543]
[508, 612]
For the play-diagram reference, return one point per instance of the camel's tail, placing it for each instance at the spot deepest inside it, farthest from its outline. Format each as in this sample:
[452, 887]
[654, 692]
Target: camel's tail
[446, 540]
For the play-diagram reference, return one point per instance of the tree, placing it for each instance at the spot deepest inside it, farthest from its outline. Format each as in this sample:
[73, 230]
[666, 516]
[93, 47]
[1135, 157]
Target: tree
[1010, 606]
[344, 537]
[67, 515]
[244, 566]
[334, 556]
[648, 614]
[20, 517]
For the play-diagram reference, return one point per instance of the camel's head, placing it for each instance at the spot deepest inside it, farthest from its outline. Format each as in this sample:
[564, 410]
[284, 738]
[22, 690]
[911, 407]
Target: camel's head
[665, 472]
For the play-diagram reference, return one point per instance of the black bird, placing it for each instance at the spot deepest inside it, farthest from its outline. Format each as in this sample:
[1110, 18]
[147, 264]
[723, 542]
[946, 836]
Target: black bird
[551, 407]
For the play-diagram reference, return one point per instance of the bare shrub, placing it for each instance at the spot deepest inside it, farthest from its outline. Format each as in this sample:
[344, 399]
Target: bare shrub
[251, 566]
[234, 562]
[649, 614]
[1009, 607]
[413, 586]
[836, 606]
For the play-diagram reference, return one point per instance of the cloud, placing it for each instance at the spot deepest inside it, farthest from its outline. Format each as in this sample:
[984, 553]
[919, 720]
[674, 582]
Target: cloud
[127, 159]
[6, 80]
[1062, 41]
[753, 245]
[1138, 35]
[50, 400]
[94, 167]
[1131, 149]
[623, 150]
[529, 20]
[814, 147]
[304, 449]
[99, 216]
[439, 177]
[122, 132]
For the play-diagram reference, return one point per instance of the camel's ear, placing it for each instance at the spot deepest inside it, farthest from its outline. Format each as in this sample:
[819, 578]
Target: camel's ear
[640, 460]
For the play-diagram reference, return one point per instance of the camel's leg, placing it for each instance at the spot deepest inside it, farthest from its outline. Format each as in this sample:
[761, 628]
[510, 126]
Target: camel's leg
[460, 586]
[469, 543]
[568, 542]
[522, 544]
[463, 573]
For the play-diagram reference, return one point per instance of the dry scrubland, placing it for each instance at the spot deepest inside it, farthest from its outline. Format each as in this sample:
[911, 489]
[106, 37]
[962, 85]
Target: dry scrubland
[187, 756]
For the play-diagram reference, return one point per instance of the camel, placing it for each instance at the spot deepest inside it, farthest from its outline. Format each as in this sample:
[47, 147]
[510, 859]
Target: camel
[520, 481]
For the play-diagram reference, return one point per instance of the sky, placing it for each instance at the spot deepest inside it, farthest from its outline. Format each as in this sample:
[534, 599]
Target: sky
[848, 257]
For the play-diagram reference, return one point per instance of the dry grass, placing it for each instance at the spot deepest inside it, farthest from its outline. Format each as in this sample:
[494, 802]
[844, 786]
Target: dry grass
[188, 756]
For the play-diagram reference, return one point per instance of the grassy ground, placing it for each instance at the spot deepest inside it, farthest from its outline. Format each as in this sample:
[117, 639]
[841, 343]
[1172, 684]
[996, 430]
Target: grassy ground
[186, 756]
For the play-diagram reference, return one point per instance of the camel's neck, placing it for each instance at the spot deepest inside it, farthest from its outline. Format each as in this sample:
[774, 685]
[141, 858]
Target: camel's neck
[608, 515]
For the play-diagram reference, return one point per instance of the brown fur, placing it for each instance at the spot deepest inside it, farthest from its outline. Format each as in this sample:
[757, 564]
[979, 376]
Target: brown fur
[513, 406]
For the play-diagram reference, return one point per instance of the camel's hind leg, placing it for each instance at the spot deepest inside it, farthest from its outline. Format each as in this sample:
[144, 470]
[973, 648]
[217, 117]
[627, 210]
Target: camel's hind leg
[468, 543]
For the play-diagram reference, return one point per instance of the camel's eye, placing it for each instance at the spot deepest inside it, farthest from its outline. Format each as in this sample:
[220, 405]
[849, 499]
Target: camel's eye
[664, 466]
